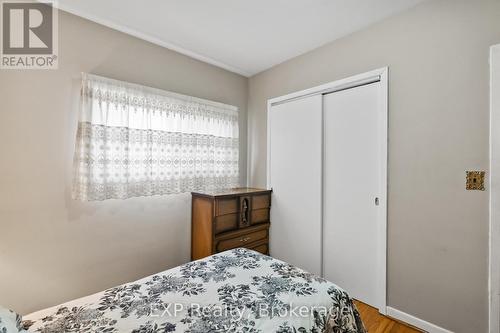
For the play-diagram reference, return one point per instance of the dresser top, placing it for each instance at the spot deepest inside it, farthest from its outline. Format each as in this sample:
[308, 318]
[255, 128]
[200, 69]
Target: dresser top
[231, 191]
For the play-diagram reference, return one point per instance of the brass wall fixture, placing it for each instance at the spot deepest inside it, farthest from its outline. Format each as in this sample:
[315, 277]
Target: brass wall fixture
[475, 180]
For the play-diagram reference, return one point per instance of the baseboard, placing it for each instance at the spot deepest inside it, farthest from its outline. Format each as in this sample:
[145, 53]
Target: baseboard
[414, 321]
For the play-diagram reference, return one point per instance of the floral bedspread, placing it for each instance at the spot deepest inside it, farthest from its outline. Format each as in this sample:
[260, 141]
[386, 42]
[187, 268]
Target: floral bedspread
[235, 291]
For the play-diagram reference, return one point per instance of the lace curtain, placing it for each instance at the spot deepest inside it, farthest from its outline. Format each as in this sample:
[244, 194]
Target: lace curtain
[138, 141]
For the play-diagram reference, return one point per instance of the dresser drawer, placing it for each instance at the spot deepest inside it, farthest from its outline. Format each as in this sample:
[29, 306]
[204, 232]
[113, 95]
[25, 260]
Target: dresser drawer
[262, 247]
[226, 206]
[236, 239]
[261, 201]
[225, 223]
[260, 216]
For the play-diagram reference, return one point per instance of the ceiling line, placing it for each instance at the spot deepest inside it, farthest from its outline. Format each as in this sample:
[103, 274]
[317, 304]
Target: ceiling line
[154, 40]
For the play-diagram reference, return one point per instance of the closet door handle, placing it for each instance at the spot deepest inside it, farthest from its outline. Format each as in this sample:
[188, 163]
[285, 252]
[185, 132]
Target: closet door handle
[377, 201]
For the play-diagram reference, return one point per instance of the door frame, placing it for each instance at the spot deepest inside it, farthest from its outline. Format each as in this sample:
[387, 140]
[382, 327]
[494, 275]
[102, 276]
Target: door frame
[494, 197]
[378, 75]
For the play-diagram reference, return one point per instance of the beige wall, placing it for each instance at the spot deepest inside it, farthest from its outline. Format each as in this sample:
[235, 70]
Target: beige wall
[438, 233]
[53, 249]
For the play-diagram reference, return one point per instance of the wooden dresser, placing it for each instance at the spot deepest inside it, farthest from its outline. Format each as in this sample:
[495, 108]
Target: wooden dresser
[229, 219]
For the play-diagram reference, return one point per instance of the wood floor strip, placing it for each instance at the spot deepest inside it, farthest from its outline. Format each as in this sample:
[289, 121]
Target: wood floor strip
[377, 323]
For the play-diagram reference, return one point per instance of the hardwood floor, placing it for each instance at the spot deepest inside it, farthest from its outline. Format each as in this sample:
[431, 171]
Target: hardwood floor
[377, 323]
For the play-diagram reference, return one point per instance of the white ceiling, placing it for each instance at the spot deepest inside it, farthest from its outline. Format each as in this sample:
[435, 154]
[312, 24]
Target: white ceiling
[243, 36]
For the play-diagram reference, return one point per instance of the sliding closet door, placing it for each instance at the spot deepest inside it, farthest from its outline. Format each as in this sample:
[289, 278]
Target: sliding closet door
[294, 171]
[352, 187]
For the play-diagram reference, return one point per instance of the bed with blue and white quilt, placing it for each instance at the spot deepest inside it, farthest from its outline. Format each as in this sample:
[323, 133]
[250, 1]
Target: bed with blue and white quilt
[234, 291]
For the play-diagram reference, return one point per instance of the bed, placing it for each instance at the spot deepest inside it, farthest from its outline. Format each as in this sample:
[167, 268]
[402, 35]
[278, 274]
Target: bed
[234, 291]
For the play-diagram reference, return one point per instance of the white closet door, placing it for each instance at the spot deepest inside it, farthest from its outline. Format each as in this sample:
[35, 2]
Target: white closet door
[495, 190]
[352, 182]
[295, 130]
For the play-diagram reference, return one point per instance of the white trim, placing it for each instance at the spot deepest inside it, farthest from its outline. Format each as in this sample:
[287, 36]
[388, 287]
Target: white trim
[384, 143]
[380, 75]
[151, 39]
[268, 160]
[494, 232]
[414, 321]
[345, 83]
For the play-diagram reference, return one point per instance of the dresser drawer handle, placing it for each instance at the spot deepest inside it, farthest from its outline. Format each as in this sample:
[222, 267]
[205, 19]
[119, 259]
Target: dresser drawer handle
[245, 239]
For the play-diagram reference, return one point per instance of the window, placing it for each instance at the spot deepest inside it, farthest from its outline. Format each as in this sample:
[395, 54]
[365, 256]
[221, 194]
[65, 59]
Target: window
[138, 141]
